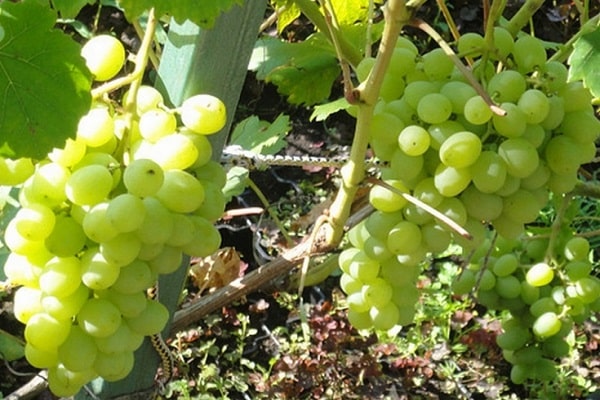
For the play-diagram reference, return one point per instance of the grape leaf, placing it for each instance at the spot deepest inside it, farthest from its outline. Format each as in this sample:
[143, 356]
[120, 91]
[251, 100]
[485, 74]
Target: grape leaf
[44, 83]
[11, 347]
[584, 61]
[203, 13]
[303, 71]
[69, 8]
[287, 12]
[261, 137]
[322, 111]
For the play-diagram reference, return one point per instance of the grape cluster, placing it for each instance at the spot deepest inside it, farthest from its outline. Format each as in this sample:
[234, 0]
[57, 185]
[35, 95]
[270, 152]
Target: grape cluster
[490, 171]
[100, 219]
[543, 300]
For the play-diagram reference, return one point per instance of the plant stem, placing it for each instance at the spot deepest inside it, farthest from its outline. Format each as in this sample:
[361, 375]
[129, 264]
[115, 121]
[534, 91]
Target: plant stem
[312, 12]
[522, 17]
[396, 16]
[267, 206]
[563, 52]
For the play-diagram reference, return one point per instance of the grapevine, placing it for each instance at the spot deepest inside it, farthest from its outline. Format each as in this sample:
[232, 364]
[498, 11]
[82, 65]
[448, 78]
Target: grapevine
[124, 201]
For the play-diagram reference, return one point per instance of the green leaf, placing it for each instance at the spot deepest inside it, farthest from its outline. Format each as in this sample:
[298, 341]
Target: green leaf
[584, 61]
[302, 71]
[287, 12]
[44, 83]
[69, 8]
[261, 137]
[203, 13]
[11, 348]
[237, 182]
[322, 111]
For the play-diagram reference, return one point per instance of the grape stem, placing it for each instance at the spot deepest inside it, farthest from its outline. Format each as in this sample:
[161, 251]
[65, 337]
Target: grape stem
[565, 50]
[523, 16]
[556, 225]
[425, 27]
[265, 202]
[425, 207]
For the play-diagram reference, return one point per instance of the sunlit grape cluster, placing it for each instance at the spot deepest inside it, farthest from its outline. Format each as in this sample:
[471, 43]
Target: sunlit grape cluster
[100, 220]
[489, 170]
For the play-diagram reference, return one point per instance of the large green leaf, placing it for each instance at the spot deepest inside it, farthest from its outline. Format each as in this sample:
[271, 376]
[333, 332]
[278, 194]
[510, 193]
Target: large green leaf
[261, 137]
[585, 61]
[303, 71]
[44, 83]
[201, 12]
[69, 8]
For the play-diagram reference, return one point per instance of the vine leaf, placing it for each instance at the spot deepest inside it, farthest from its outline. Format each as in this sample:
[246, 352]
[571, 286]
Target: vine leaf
[203, 13]
[287, 12]
[584, 61]
[70, 8]
[303, 71]
[261, 137]
[44, 83]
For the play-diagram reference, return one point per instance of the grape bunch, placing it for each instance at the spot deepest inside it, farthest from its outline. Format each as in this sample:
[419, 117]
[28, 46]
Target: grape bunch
[101, 218]
[489, 169]
[543, 300]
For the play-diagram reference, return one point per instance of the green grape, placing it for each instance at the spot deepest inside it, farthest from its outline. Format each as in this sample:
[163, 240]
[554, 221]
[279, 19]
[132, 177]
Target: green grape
[458, 93]
[180, 192]
[89, 185]
[529, 53]
[156, 123]
[398, 274]
[96, 272]
[26, 303]
[78, 351]
[360, 320]
[460, 150]
[414, 140]
[66, 307]
[437, 65]
[507, 86]
[96, 128]
[454, 209]
[34, 222]
[206, 241]
[588, 289]
[364, 67]
[385, 317]
[401, 110]
[404, 238]
[114, 366]
[65, 383]
[203, 147]
[174, 152]
[581, 125]
[546, 325]
[519, 373]
[21, 270]
[414, 91]
[508, 287]
[489, 172]
[158, 223]
[203, 114]
[151, 320]
[401, 63]
[128, 305]
[435, 237]
[363, 268]
[470, 44]
[555, 75]
[47, 184]
[404, 167]
[521, 206]
[97, 226]
[99, 317]
[46, 332]
[563, 155]
[379, 223]
[18, 244]
[40, 358]
[477, 111]
[61, 276]
[67, 237]
[482, 206]
[143, 177]
[349, 284]
[535, 134]
[576, 96]
[434, 108]
[505, 265]
[147, 98]
[450, 181]
[542, 305]
[392, 87]
[15, 172]
[416, 214]
[357, 302]
[508, 228]
[123, 339]
[122, 249]
[376, 249]
[183, 230]
[503, 43]
[513, 337]
[464, 283]
[167, 261]
[539, 274]
[134, 277]
[384, 131]
[104, 160]
[126, 212]
[487, 281]
[150, 250]
[556, 113]
[511, 185]
[520, 156]
[529, 294]
[426, 192]
[577, 249]
[511, 125]
[377, 293]
[104, 56]
[538, 178]
[535, 105]
[214, 205]
[385, 200]
[440, 132]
